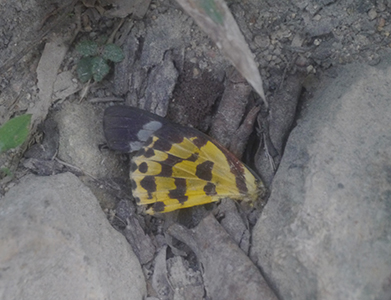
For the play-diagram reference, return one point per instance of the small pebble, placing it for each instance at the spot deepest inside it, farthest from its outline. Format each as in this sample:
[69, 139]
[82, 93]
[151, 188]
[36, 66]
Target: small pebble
[381, 7]
[277, 51]
[372, 14]
[301, 61]
[317, 17]
[381, 24]
[317, 42]
[311, 69]
[262, 41]
[196, 72]
[297, 40]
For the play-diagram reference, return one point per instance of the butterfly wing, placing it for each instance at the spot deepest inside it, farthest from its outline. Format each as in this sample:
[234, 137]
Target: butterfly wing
[126, 129]
[176, 166]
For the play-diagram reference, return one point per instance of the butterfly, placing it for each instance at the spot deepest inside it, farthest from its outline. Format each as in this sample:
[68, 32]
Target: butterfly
[176, 166]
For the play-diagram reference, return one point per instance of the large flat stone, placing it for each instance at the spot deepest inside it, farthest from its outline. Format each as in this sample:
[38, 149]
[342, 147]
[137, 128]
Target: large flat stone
[326, 231]
[56, 243]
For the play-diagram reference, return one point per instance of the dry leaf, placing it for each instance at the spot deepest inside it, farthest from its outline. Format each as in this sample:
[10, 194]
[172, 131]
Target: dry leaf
[214, 17]
[51, 59]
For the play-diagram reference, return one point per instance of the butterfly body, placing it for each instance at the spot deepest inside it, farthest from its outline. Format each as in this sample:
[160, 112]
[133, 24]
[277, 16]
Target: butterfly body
[176, 166]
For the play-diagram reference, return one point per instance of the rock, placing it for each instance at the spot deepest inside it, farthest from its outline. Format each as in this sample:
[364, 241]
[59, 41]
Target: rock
[161, 83]
[81, 133]
[231, 109]
[262, 41]
[160, 282]
[141, 243]
[186, 282]
[168, 31]
[235, 224]
[56, 243]
[123, 70]
[372, 14]
[276, 126]
[326, 231]
[227, 271]
[65, 85]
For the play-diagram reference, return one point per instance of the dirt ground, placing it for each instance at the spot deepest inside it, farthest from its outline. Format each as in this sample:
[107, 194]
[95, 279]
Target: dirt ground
[310, 36]
[300, 39]
[297, 44]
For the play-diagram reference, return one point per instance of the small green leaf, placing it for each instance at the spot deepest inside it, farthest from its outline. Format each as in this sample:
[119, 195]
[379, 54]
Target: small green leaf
[6, 171]
[84, 69]
[87, 48]
[100, 68]
[113, 52]
[14, 132]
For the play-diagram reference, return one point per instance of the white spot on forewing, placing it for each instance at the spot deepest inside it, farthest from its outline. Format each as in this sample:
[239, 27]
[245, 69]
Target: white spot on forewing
[143, 135]
[148, 130]
[135, 146]
[153, 125]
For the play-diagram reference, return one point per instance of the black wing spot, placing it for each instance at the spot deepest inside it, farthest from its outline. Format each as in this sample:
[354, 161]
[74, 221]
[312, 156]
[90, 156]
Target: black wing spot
[133, 184]
[210, 189]
[180, 192]
[158, 206]
[148, 183]
[143, 167]
[193, 157]
[200, 141]
[172, 160]
[166, 170]
[241, 185]
[149, 153]
[204, 170]
[162, 145]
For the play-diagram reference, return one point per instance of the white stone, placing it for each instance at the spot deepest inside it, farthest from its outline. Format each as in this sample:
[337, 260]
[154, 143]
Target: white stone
[326, 231]
[56, 243]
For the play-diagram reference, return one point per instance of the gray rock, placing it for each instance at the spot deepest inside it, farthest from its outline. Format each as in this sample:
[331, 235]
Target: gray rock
[55, 243]
[81, 133]
[277, 126]
[123, 70]
[161, 83]
[160, 282]
[168, 31]
[227, 272]
[326, 231]
[186, 282]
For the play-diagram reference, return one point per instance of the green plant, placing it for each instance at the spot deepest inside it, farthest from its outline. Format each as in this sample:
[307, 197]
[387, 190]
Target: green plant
[14, 132]
[94, 63]
[5, 172]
